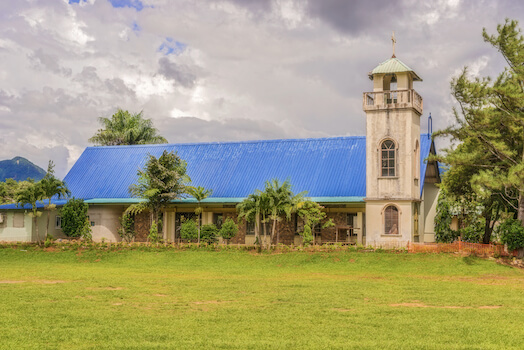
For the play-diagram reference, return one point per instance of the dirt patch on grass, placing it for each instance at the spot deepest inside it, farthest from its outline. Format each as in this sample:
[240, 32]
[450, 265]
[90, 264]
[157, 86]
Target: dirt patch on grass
[104, 288]
[422, 305]
[160, 295]
[342, 310]
[211, 302]
[11, 282]
[49, 281]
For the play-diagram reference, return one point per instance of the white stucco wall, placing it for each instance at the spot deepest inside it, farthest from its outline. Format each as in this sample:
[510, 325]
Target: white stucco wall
[16, 234]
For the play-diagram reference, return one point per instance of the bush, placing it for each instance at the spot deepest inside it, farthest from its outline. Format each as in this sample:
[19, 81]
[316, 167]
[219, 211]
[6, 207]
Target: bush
[189, 230]
[208, 233]
[228, 230]
[443, 231]
[511, 233]
[153, 233]
[307, 236]
[127, 227]
[74, 217]
[473, 233]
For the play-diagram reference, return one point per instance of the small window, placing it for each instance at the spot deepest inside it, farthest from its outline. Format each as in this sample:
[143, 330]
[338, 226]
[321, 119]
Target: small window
[391, 220]
[18, 220]
[218, 220]
[388, 158]
[58, 222]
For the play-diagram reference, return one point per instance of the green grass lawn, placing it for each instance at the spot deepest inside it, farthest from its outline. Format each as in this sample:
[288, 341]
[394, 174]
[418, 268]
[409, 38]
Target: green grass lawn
[240, 300]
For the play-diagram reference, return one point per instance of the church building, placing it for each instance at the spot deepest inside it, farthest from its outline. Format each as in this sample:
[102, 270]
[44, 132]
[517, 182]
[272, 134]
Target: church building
[378, 189]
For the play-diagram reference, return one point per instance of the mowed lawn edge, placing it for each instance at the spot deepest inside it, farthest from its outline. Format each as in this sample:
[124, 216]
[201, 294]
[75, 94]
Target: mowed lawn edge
[241, 300]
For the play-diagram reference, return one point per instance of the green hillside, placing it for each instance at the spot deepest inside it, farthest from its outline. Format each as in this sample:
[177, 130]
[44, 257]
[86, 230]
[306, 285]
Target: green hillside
[19, 169]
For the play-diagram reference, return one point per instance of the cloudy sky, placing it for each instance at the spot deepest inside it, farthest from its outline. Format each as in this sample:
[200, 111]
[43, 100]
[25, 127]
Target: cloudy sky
[225, 69]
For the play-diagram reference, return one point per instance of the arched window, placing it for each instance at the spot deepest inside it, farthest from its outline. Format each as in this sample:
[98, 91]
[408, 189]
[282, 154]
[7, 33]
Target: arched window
[388, 158]
[391, 220]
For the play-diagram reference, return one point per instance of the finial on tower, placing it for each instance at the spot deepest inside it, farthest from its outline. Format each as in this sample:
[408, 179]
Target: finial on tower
[394, 41]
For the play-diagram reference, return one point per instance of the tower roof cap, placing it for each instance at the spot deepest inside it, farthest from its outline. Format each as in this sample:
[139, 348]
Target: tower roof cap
[393, 65]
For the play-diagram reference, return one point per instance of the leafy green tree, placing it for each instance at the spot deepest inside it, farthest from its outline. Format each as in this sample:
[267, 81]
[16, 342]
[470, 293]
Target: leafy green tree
[188, 230]
[75, 222]
[162, 180]
[10, 187]
[51, 186]
[125, 128]
[209, 233]
[30, 196]
[312, 214]
[199, 193]
[490, 123]
[511, 233]
[228, 230]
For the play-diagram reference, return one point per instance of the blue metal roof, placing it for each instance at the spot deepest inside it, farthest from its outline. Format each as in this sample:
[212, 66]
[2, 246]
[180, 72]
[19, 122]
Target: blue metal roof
[333, 168]
[326, 167]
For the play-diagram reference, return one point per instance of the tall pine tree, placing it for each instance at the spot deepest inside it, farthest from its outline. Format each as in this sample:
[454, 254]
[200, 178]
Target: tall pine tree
[490, 124]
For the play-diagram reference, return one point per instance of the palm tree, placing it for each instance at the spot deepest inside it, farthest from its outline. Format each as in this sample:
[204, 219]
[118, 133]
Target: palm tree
[199, 193]
[51, 186]
[250, 209]
[31, 195]
[281, 202]
[125, 128]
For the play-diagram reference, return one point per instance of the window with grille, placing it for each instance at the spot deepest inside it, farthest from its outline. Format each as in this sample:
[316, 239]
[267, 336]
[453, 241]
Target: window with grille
[391, 220]
[388, 158]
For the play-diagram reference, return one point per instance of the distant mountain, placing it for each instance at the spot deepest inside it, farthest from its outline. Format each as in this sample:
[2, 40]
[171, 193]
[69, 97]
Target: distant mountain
[20, 169]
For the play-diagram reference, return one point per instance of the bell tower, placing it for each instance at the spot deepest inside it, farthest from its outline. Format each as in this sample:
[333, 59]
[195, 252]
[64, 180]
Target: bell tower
[393, 111]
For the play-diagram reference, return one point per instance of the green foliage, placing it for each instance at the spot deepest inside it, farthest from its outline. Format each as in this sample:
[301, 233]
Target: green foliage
[199, 193]
[312, 213]
[153, 233]
[30, 195]
[473, 233]
[125, 128]
[229, 229]
[188, 230]
[511, 233]
[75, 222]
[85, 231]
[159, 182]
[307, 236]
[490, 125]
[51, 187]
[127, 227]
[443, 231]
[209, 233]
[281, 202]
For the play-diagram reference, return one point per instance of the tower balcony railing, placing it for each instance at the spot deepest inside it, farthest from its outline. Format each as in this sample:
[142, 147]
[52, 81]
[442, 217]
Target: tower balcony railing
[392, 99]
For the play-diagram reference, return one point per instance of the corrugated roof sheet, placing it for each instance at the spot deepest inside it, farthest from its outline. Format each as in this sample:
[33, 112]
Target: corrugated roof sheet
[328, 168]
[394, 65]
